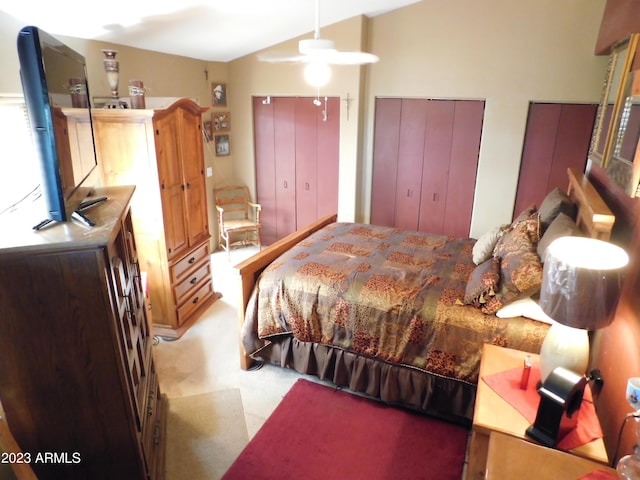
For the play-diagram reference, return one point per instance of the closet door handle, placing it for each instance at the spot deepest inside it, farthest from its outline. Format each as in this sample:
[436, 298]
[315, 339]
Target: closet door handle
[285, 185]
[408, 192]
[306, 185]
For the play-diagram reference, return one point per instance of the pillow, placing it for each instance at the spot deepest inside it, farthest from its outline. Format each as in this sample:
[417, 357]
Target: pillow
[554, 203]
[524, 307]
[520, 266]
[483, 282]
[483, 248]
[524, 230]
[562, 226]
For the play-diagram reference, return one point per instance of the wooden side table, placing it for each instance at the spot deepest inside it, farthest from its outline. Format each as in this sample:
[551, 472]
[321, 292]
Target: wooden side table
[494, 414]
[511, 458]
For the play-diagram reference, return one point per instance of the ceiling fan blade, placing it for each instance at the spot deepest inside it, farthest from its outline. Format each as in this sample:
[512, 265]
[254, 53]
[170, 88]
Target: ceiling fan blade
[351, 58]
[281, 57]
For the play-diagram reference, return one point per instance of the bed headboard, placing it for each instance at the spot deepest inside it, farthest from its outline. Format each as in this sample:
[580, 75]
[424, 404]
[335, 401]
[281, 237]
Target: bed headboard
[594, 217]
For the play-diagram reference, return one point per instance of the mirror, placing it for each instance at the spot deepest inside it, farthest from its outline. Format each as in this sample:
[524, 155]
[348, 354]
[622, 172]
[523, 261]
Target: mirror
[609, 110]
[624, 164]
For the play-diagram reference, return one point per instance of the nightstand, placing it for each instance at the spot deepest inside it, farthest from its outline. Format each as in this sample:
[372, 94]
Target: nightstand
[511, 458]
[494, 414]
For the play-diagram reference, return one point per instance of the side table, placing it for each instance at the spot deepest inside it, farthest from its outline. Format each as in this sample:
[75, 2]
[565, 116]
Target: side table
[511, 458]
[494, 414]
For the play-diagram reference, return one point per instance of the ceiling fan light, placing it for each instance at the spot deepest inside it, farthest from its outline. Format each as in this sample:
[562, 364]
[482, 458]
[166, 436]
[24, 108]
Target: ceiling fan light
[317, 73]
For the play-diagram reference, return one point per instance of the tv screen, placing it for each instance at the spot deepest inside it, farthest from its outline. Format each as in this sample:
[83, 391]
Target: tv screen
[56, 91]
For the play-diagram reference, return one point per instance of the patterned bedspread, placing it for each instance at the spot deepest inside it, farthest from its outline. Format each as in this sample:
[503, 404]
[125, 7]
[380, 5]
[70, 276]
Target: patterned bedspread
[384, 293]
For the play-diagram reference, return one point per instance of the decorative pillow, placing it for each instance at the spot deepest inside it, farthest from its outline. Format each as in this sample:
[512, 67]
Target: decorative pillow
[483, 282]
[520, 266]
[483, 248]
[524, 307]
[524, 230]
[554, 203]
[562, 226]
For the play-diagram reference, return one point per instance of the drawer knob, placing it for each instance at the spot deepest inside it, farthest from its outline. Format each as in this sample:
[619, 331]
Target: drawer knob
[196, 300]
[192, 260]
[194, 280]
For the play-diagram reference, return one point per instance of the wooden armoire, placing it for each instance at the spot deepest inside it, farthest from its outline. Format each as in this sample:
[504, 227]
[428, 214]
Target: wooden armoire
[297, 161]
[425, 160]
[161, 152]
[77, 377]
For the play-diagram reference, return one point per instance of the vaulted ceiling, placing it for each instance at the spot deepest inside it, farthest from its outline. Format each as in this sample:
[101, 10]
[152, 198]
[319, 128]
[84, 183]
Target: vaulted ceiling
[214, 30]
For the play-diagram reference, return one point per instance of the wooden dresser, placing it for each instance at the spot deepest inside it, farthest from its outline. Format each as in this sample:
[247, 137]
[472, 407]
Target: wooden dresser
[77, 377]
[161, 152]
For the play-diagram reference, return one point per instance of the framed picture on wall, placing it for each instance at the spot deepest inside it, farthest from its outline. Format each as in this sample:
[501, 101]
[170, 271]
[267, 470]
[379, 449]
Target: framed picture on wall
[221, 121]
[223, 147]
[208, 130]
[219, 94]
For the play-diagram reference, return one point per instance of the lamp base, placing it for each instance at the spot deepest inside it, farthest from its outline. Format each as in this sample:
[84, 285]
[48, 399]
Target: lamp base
[564, 347]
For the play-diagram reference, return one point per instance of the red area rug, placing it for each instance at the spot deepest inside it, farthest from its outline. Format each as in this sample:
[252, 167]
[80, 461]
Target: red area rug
[319, 432]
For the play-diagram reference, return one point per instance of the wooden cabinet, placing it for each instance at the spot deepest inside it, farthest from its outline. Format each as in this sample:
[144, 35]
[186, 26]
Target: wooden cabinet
[297, 162]
[77, 377]
[161, 152]
[425, 161]
[557, 138]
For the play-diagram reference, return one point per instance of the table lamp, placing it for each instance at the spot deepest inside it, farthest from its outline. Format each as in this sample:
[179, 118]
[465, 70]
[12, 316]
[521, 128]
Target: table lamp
[581, 283]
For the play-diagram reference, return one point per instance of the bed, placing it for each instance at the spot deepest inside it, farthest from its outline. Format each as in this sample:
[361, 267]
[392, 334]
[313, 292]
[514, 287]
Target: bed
[402, 315]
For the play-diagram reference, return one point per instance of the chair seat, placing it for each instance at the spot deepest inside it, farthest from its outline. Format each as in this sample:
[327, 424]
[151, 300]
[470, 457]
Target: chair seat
[237, 225]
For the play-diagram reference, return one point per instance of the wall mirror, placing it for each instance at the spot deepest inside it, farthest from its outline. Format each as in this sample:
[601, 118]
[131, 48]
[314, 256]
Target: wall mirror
[624, 165]
[609, 110]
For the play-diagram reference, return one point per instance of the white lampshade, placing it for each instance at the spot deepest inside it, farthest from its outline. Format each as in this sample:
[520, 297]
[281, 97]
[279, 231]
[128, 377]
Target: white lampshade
[317, 73]
[581, 283]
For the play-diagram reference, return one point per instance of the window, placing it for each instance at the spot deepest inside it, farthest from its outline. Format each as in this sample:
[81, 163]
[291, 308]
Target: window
[19, 168]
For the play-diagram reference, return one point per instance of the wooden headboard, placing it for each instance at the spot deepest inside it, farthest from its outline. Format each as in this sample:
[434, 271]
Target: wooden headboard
[594, 218]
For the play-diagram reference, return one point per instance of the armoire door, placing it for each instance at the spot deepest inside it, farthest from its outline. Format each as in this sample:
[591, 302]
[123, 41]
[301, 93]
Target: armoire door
[425, 162]
[297, 161]
[557, 137]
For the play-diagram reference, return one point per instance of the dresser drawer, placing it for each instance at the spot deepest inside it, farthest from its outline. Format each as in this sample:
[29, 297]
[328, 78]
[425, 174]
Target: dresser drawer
[182, 267]
[194, 301]
[193, 281]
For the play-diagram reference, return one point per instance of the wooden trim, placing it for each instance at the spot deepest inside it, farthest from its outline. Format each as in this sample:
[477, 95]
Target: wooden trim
[594, 217]
[250, 269]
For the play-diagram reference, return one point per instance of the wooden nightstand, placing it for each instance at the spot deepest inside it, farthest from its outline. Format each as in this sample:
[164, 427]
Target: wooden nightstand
[511, 458]
[494, 414]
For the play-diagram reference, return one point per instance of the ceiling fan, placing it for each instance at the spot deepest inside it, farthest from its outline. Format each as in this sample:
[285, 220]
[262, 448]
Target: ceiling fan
[320, 50]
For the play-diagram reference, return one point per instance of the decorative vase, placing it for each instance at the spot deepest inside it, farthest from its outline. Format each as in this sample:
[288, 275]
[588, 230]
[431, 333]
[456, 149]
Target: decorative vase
[112, 67]
[629, 466]
[136, 93]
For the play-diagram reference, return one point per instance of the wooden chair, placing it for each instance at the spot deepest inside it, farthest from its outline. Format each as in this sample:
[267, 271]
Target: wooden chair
[238, 217]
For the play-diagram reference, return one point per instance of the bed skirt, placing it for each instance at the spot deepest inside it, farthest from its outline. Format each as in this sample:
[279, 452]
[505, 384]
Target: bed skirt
[400, 385]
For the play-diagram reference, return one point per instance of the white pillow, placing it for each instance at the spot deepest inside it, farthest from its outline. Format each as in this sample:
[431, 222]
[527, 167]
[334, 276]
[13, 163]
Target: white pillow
[525, 307]
[483, 248]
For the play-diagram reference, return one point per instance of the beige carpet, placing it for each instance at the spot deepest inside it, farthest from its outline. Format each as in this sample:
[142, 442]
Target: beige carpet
[205, 433]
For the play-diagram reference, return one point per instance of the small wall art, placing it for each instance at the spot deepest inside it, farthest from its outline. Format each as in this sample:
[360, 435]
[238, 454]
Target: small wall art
[207, 128]
[219, 94]
[221, 121]
[223, 147]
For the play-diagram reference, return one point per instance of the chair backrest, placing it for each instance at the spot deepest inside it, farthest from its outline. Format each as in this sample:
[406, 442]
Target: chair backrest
[234, 199]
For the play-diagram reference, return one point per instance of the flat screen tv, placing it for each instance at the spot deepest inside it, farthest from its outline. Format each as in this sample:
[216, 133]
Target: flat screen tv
[56, 93]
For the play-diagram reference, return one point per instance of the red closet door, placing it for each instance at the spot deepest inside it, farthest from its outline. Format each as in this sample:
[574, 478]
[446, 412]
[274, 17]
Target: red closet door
[463, 167]
[263, 127]
[328, 128]
[284, 121]
[435, 167]
[413, 119]
[297, 162]
[386, 141]
[306, 147]
[557, 137]
[425, 163]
